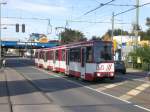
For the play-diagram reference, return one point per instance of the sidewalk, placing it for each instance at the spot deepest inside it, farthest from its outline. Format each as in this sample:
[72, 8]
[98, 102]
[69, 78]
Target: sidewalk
[18, 93]
[132, 70]
[136, 72]
[140, 73]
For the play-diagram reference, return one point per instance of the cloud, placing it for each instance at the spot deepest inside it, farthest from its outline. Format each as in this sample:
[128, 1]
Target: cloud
[36, 7]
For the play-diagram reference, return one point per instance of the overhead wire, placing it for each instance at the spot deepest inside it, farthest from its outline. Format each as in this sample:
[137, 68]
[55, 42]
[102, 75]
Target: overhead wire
[100, 5]
[126, 5]
[25, 18]
[108, 3]
[96, 22]
[115, 4]
[132, 9]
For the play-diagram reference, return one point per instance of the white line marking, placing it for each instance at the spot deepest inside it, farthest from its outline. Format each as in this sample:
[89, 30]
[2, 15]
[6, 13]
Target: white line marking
[110, 86]
[142, 108]
[84, 86]
[125, 97]
[145, 85]
[140, 88]
[95, 90]
[132, 93]
[134, 79]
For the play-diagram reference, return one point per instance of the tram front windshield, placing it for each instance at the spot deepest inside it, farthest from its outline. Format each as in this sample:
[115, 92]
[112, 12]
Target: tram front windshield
[103, 52]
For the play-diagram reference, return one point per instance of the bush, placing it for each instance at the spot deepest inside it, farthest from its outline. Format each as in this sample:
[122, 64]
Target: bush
[146, 66]
[144, 54]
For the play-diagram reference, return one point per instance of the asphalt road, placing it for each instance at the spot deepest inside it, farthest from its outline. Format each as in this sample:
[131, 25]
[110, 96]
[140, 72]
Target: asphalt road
[25, 88]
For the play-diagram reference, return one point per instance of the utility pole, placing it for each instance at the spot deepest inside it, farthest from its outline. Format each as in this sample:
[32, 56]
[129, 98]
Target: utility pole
[112, 33]
[137, 23]
[58, 31]
[3, 3]
[0, 40]
[67, 24]
[49, 28]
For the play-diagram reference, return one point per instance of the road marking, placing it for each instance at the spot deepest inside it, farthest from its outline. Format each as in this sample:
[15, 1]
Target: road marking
[82, 85]
[135, 79]
[132, 93]
[95, 90]
[142, 108]
[145, 85]
[110, 86]
[140, 88]
[125, 97]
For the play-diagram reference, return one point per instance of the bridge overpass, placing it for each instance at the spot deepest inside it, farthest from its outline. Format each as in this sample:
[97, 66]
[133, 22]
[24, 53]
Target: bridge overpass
[29, 45]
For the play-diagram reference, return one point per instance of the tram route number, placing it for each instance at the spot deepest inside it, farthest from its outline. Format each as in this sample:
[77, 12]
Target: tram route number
[105, 67]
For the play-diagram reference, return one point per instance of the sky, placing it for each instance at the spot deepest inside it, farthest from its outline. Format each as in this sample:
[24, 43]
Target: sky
[72, 11]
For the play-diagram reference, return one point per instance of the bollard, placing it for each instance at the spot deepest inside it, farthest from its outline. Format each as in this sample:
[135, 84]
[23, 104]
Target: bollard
[148, 75]
[0, 63]
[148, 72]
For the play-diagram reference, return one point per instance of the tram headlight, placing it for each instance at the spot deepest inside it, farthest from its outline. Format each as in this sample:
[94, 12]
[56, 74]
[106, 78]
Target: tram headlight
[98, 74]
[111, 74]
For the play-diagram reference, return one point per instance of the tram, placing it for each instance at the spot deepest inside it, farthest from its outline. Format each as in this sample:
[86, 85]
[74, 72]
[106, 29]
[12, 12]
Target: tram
[88, 60]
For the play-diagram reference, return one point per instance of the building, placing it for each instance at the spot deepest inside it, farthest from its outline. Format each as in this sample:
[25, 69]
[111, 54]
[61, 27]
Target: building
[144, 42]
[124, 45]
[36, 37]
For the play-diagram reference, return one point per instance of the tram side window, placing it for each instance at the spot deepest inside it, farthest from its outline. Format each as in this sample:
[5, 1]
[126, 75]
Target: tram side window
[36, 55]
[51, 55]
[75, 54]
[47, 56]
[89, 55]
[56, 55]
[41, 55]
[63, 55]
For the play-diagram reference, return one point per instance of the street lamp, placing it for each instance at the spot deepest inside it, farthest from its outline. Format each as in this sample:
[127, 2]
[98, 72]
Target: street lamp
[1, 3]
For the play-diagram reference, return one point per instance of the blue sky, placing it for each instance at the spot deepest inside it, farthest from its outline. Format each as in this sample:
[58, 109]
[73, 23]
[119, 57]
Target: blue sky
[58, 11]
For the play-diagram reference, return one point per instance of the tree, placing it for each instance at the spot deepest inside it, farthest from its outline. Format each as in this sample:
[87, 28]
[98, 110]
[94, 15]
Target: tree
[120, 32]
[135, 27]
[95, 38]
[106, 37]
[142, 53]
[116, 32]
[148, 21]
[145, 35]
[69, 36]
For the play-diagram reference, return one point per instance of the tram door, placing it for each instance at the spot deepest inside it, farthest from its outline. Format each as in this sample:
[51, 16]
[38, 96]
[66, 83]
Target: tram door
[54, 59]
[67, 61]
[39, 53]
[83, 62]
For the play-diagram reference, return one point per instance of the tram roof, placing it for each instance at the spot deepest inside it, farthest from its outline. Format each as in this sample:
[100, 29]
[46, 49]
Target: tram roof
[76, 44]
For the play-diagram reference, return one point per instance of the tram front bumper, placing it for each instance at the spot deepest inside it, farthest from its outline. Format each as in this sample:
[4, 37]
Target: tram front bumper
[104, 74]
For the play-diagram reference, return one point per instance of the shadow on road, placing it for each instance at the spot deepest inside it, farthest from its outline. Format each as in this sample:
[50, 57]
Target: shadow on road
[44, 82]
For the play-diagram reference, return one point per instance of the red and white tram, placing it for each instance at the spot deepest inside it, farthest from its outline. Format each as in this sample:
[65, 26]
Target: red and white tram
[87, 60]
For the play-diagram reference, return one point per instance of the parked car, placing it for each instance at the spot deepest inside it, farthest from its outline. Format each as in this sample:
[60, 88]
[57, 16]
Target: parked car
[120, 67]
